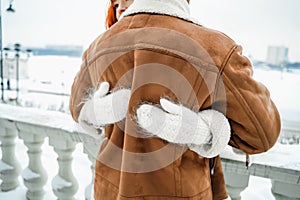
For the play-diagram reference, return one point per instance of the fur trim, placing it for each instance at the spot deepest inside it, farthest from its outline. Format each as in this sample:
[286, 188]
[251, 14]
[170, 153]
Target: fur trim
[175, 8]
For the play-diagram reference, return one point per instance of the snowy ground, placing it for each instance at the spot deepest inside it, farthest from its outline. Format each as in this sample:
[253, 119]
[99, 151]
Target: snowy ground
[56, 74]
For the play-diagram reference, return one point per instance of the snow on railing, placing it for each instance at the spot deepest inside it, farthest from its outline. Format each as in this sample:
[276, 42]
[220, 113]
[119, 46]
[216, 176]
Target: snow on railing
[33, 126]
[285, 179]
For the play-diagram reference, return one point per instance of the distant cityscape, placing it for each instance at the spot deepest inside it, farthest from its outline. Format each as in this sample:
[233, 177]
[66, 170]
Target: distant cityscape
[277, 58]
[58, 50]
[48, 50]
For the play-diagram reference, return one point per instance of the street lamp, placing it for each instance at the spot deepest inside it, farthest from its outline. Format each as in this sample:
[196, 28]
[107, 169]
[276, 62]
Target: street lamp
[6, 49]
[9, 9]
[17, 51]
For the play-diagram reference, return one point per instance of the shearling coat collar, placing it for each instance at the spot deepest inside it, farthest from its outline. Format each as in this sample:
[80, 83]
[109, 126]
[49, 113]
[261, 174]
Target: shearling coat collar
[175, 8]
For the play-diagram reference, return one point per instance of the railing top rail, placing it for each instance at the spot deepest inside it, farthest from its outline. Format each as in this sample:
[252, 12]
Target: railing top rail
[275, 173]
[44, 122]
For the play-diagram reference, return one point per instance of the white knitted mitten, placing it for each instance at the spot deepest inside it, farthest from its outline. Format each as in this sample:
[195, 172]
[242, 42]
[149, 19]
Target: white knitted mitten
[207, 132]
[104, 108]
[87, 118]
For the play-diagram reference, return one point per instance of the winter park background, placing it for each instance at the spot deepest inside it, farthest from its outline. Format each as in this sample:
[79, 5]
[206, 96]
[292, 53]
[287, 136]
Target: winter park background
[34, 24]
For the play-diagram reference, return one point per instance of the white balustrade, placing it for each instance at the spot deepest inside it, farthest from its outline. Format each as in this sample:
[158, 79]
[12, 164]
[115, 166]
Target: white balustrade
[236, 181]
[285, 179]
[33, 126]
[64, 184]
[91, 149]
[34, 176]
[9, 166]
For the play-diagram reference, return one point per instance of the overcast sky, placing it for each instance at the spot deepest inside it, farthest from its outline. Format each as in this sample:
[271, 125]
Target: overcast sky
[254, 24]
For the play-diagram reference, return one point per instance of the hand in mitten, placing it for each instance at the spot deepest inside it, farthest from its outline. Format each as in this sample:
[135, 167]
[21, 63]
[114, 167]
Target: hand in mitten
[220, 131]
[104, 108]
[110, 108]
[180, 125]
[174, 123]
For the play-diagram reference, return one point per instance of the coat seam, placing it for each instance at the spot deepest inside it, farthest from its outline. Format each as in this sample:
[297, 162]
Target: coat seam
[222, 69]
[153, 48]
[249, 112]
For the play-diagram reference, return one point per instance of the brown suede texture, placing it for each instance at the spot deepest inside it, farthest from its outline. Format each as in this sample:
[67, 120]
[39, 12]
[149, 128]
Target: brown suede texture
[218, 181]
[162, 56]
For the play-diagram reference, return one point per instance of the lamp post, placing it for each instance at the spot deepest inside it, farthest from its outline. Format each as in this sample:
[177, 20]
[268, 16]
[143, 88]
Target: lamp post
[9, 9]
[17, 51]
[1, 55]
[8, 74]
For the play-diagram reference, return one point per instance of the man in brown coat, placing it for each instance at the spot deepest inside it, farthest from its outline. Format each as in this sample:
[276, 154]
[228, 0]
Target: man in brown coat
[162, 82]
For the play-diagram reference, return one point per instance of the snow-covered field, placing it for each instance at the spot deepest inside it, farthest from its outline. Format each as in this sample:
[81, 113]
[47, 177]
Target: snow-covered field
[284, 90]
[56, 74]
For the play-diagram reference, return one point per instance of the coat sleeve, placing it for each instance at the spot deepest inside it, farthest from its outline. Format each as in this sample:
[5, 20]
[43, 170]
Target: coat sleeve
[254, 119]
[80, 89]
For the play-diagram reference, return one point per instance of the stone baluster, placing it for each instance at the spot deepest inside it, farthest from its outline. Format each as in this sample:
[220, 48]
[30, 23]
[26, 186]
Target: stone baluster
[64, 184]
[89, 190]
[9, 165]
[34, 176]
[92, 151]
[236, 178]
[285, 191]
[235, 184]
[91, 148]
